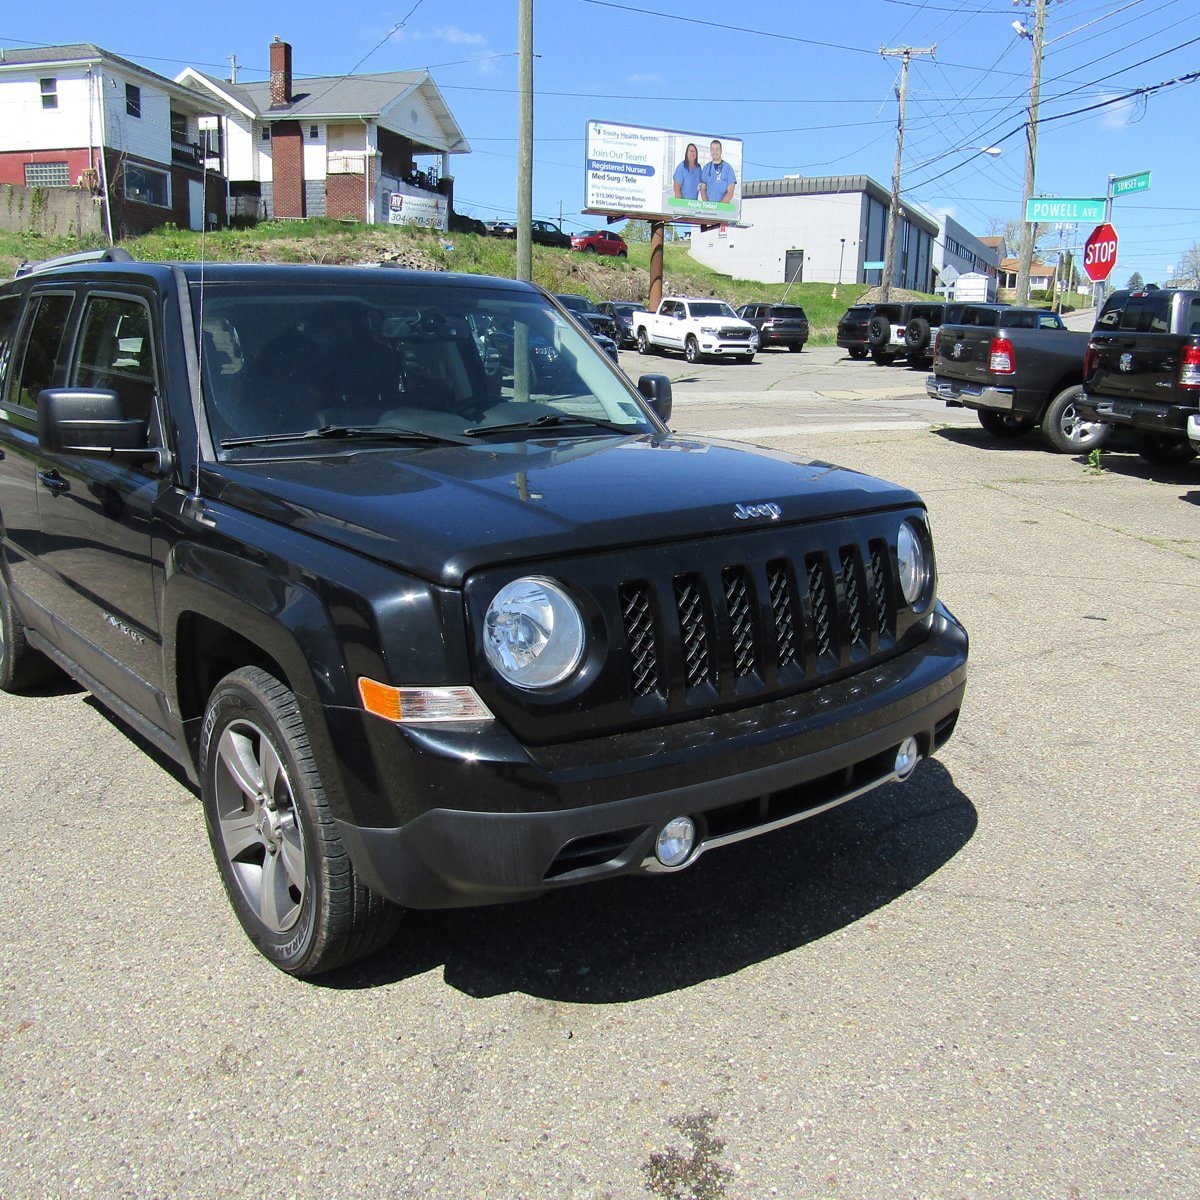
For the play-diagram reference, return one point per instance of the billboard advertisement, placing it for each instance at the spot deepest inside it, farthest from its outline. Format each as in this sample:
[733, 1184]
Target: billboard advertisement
[662, 174]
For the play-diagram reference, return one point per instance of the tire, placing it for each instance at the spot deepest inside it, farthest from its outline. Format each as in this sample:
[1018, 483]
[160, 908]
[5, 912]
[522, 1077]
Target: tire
[796, 347]
[1003, 424]
[916, 335]
[1064, 430]
[1163, 450]
[21, 666]
[622, 253]
[745, 358]
[858, 352]
[879, 333]
[883, 358]
[691, 349]
[589, 249]
[643, 342]
[287, 875]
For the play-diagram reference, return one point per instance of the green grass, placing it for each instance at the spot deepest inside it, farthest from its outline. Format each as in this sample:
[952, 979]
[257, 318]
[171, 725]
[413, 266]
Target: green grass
[334, 242]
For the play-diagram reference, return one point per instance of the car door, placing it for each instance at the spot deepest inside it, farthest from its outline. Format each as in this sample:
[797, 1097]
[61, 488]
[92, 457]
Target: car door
[96, 512]
[31, 358]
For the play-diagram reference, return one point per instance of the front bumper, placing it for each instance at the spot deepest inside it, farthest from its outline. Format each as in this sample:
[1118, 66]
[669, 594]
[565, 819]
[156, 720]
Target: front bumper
[551, 817]
[957, 394]
[1142, 415]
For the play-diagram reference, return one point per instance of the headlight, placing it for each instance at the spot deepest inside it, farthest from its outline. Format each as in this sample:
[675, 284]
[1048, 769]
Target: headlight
[533, 633]
[916, 565]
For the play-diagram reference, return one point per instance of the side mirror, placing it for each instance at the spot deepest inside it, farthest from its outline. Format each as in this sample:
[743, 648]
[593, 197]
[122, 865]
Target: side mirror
[656, 389]
[91, 422]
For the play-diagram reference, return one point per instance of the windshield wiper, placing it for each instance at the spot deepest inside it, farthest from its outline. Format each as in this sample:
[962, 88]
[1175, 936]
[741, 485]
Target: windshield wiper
[389, 433]
[554, 420]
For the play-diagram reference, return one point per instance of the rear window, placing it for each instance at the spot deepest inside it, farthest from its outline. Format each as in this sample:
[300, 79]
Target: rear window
[788, 311]
[1150, 313]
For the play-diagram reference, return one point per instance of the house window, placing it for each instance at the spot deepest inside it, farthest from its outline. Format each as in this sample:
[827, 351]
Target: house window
[49, 92]
[313, 133]
[133, 100]
[179, 127]
[266, 133]
[147, 186]
[47, 174]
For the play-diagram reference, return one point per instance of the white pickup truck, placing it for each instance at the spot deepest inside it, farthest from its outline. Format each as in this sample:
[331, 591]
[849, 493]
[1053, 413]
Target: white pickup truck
[698, 327]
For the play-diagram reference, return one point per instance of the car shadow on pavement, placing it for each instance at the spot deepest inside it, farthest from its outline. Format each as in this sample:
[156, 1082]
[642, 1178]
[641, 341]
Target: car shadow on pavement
[635, 937]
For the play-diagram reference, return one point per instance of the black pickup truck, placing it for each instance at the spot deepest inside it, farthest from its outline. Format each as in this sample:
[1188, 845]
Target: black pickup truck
[1143, 370]
[1017, 368]
[425, 597]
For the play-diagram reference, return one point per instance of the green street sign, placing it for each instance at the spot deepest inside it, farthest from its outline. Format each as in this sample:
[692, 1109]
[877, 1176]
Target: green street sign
[1056, 208]
[1125, 184]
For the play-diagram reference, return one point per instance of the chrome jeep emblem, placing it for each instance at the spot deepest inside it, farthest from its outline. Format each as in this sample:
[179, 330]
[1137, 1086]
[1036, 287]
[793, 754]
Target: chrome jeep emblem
[745, 512]
[957, 350]
[1126, 361]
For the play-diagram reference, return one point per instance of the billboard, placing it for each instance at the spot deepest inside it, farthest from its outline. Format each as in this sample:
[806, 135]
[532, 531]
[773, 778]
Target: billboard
[662, 174]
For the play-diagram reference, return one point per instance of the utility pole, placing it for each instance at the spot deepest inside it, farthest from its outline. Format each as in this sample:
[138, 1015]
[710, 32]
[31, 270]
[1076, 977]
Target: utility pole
[905, 53]
[525, 142]
[1028, 230]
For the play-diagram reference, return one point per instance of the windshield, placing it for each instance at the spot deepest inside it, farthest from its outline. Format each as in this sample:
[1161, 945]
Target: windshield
[713, 308]
[382, 357]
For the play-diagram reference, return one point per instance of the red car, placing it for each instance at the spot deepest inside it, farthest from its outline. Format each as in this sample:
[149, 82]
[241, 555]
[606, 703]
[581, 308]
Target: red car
[600, 241]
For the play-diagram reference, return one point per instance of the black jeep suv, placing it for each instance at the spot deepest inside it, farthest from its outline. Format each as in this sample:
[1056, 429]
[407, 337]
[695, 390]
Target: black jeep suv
[425, 597]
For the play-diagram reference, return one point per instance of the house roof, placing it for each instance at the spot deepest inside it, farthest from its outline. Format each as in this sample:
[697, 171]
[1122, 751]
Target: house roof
[329, 97]
[83, 54]
[1035, 268]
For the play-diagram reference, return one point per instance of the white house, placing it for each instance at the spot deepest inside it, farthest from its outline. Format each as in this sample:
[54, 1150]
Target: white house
[79, 117]
[370, 147]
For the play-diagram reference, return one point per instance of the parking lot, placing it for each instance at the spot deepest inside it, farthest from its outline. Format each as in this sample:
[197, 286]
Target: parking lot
[982, 983]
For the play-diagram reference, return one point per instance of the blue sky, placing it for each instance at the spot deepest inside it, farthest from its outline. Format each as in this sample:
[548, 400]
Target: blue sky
[802, 84]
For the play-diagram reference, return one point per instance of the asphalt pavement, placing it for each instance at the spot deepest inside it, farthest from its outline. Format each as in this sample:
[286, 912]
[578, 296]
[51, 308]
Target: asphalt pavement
[979, 984]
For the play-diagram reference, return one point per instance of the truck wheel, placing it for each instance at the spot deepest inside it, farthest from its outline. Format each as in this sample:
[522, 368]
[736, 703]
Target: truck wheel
[883, 358]
[285, 870]
[879, 333]
[691, 349]
[21, 666]
[643, 342]
[1163, 450]
[1003, 424]
[858, 352]
[1065, 430]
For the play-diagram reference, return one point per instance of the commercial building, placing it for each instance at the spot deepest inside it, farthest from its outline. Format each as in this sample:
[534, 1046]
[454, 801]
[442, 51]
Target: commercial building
[820, 229]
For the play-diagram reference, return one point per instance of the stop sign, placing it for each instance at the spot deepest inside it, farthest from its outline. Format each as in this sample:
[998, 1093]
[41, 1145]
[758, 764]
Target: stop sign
[1100, 253]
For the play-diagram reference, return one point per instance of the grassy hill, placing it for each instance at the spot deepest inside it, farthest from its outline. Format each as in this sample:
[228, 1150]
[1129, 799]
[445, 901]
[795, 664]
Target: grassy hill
[334, 242]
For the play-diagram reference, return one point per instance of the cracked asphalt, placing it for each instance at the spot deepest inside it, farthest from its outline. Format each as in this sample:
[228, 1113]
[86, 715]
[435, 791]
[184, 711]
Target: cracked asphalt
[982, 983]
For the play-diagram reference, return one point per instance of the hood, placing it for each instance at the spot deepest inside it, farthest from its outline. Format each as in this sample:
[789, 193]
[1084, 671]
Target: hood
[441, 512]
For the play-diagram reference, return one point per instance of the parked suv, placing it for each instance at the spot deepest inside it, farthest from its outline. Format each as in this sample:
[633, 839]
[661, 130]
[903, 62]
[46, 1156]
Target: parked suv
[852, 330]
[425, 597]
[777, 324]
[1142, 371]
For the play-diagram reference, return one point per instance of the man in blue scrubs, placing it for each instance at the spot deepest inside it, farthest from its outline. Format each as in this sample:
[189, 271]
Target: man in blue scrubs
[717, 180]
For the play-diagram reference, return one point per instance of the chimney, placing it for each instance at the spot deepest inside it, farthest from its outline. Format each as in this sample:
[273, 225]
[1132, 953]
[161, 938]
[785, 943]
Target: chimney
[281, 74]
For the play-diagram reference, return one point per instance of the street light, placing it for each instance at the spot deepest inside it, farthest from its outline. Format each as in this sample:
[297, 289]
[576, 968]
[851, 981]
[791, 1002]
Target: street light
[841, 255]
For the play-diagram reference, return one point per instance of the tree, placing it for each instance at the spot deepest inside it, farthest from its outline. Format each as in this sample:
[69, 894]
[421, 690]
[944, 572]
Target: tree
[1136, 282]
[1187, 273]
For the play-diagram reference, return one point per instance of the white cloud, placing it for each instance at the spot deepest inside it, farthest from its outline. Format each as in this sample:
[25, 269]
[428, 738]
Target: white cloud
[649, 77]
[458, 37]
[1118, 116]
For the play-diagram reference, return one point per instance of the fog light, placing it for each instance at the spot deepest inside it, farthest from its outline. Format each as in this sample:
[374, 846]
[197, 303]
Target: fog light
[675, 841]
[907, 757]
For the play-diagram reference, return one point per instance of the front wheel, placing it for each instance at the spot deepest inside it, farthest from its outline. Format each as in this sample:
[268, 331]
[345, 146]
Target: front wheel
[796, 347]
[691, 349]
[643, 342]
[288, 877]
[1066, 431]
[1004, 424]
[1163, 450]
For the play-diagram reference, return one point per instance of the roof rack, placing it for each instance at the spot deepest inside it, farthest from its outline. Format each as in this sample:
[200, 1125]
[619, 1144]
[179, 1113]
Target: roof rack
[108, 254]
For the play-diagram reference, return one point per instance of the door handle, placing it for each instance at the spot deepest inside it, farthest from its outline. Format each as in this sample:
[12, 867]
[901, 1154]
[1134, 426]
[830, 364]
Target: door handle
[52, 480]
